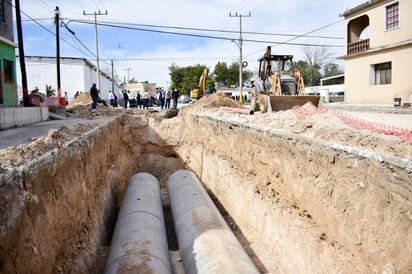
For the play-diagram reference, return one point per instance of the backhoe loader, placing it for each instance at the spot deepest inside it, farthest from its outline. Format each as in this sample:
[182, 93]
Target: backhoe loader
[196, 94]
[278, 86]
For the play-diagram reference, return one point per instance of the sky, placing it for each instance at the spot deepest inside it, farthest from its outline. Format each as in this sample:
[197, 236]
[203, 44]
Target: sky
[145, 37]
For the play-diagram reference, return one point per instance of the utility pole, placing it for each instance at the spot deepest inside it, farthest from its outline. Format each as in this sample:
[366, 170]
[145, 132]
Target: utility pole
[57, 22]
[112, 77]
[128, 69]
[97, 43]
[21, 54]
[241, 58]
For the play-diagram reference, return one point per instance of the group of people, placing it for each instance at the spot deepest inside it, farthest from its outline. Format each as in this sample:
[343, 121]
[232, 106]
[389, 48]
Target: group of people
[112, 99]
[136, 100]
[166, 96]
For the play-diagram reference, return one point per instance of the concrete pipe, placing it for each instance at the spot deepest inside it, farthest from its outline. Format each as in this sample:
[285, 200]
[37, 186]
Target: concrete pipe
[207, 245]
[139, 243]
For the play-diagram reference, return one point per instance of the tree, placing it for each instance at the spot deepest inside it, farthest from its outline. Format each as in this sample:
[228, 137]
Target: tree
[304, 70]
[221, 74]
[316, 58]
[187, 78]
[331, 70]
[229, 76]
[233, 73]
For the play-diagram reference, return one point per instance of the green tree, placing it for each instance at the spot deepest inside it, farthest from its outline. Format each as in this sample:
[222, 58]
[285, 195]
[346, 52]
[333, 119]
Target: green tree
[304, 70]
[221, 74]
[187, 78]
[316, 58]
[229, 76]
[330, 70]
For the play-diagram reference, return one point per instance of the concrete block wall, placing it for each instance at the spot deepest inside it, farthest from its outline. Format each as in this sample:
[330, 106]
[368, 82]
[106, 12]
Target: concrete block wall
[20, 116]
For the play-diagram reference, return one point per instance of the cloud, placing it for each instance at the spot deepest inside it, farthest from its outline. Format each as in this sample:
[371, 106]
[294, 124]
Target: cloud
[149, 54]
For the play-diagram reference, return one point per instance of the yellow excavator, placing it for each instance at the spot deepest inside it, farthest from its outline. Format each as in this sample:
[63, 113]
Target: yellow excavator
[276, 88]
[196, 94]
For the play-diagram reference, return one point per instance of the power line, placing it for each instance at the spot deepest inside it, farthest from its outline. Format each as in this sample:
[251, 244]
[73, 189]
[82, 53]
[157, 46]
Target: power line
[200, 35]
[77, 39]
[216, 30]
[49, 31]
[315, 30]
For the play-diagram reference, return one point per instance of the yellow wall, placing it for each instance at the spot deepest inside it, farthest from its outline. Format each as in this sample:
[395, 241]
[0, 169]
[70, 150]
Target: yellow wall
[379, 36]
[385, 46]
[358, 88]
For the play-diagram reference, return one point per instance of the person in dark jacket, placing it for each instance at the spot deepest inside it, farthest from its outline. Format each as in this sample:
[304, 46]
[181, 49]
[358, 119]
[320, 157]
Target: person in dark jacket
[138, 103]
[125, 99]
[175, 96]
[161, 97]
[95, 97]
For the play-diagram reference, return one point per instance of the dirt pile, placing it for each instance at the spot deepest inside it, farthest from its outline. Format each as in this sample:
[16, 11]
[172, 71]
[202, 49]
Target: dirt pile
[304, 190]
[313, 123]
[83, 99]
[304, 184]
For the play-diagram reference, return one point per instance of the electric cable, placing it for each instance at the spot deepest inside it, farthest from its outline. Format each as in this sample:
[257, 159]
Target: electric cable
[199, 35]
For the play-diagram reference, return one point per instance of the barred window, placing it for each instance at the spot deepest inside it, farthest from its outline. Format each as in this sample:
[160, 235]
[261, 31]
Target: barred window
[392, 16]
[383, 73]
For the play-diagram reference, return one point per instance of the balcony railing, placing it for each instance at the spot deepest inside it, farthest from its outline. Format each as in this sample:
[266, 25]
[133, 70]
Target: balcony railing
[358, 46]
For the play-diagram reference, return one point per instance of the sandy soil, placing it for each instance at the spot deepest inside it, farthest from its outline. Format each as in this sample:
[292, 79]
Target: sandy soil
[203, 134]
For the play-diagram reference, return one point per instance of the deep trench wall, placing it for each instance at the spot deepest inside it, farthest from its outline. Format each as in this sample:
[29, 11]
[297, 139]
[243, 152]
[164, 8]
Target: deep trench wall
[57, 212]
[305, 206]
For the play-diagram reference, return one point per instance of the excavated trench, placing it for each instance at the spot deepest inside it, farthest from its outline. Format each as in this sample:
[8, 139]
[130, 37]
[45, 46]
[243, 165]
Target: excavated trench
[297, 205]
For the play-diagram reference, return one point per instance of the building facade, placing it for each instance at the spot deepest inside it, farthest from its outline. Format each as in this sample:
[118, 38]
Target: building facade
[8, 94]
[77, 74]
[378, 52]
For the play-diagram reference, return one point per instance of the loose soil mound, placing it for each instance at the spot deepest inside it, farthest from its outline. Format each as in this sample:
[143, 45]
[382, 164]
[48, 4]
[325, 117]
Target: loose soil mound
[299, 183]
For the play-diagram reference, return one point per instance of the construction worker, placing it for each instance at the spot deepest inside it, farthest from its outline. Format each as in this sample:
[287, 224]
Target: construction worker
[95, 97]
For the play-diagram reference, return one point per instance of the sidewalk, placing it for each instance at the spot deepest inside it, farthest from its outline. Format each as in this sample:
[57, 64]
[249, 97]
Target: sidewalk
[381, 114]
[23, 135]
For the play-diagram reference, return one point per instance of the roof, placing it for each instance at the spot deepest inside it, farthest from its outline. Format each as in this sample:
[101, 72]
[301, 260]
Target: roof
[53, 59]
[8, 42]
[361, 7]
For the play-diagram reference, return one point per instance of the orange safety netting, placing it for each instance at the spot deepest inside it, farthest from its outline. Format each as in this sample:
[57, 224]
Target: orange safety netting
[309, 109]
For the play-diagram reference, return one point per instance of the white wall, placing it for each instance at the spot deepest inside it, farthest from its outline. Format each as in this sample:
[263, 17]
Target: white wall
[75, 76]
[318, 89]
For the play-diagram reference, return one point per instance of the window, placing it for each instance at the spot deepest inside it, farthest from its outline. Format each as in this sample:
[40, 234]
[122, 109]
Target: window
[2, 12]
[382, 73]
[392, 16]
[8, 71]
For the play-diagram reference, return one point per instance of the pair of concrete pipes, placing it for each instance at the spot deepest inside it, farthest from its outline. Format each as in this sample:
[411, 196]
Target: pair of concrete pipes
[206, 243]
